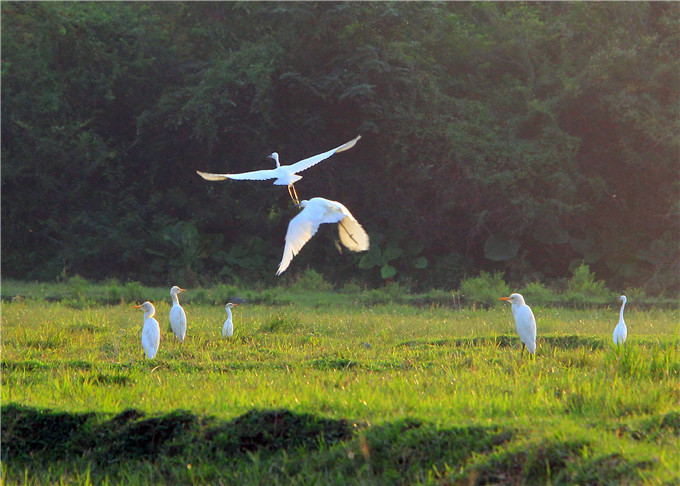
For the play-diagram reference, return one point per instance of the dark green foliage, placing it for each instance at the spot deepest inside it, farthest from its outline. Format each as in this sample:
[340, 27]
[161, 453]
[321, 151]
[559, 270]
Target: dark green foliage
[484, 290]
[521, 138]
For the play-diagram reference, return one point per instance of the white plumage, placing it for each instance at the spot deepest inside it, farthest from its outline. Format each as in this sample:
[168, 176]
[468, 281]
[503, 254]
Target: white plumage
[151, 332]
[178, 318]
[315, 212]
[284, 175]
[228, 327]
[620, 331]
[524, 321]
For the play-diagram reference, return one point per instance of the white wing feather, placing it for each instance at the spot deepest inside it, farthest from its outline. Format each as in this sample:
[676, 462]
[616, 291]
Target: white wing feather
[256, 175]
[151, 337]
[525, 322]
[305, 225]
[178, 322]
[300, 230]
[315, 159]
[352, 235]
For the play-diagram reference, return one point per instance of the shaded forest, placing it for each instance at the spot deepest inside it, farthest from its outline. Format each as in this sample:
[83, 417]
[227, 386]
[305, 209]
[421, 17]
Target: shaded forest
[525, 138]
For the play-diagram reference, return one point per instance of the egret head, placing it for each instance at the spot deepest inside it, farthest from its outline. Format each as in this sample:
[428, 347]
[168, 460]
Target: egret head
[230, 305]
[514, 299]
[147, 307]
[176, 290]
[302, 204]
[275, 156]
[623, 299]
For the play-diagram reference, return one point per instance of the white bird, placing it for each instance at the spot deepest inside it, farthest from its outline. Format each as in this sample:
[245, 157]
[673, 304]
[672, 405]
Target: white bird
[151, 332]
[620, 331]
[315, 212]
[178, 318]
[524, 321]
[228, 328]
[285, 175]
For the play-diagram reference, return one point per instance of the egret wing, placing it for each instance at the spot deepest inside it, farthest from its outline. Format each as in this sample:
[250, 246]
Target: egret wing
[228, 328]
[526, 327]
[310, 161]
[300, 230]
[212, 177]
[151, 337]
[178, 322]
[256, 175]
[352, 235]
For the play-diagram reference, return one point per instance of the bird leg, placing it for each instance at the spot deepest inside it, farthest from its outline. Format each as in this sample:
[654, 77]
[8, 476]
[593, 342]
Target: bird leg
[523, 346]
[291, 191]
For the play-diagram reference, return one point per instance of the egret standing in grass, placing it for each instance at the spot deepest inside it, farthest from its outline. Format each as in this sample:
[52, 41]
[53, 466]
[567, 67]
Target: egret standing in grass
[178, 318]
[620, 331]
[228, 328]
[285, 175]
[524, 321]
[315, 212]
[151, 332]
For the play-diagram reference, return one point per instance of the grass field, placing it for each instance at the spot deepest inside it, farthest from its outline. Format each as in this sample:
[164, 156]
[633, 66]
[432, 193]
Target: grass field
[338, 394]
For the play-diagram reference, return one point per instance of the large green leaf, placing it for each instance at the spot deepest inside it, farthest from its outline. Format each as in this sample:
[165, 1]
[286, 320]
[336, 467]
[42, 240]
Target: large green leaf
[388, 271]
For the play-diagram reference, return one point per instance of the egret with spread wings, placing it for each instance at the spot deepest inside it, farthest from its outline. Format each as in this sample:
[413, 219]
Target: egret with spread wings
[315, 212]
[284, 175]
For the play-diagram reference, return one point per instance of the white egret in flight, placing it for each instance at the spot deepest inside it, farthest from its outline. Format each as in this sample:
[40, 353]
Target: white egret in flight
[151, 332]
[620, 331]
[285, 175]
[524, 321]
[228, 328]
[315, 212]
[178, 318]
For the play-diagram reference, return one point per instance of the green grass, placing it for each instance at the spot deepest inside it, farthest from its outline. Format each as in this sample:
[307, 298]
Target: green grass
[343, 393]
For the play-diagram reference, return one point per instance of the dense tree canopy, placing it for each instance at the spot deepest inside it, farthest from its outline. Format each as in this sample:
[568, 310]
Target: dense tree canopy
[522, 137]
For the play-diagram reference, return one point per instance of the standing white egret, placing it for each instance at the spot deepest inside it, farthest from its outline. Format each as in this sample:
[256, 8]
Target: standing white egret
[524, 321]
[315, 212]
[620, 331]
[228, 328]
[178, 318]
[151, 332]
[285, 175]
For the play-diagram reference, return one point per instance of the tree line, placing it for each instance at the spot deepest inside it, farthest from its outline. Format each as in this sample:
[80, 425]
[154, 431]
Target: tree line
[526, 138]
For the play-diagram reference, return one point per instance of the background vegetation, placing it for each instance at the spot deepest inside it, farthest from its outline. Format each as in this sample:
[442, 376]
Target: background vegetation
[524, 138]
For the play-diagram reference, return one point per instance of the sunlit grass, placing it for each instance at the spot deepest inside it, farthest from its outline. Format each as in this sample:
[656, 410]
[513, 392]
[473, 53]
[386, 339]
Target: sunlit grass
[371, 365]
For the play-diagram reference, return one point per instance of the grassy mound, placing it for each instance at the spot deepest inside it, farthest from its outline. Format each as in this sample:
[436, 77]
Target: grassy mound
[282, 447]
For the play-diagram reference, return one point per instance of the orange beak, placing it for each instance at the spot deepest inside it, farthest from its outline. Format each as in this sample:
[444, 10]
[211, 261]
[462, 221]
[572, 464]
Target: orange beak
[182, 290]
[136, 306]
[504, 298]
